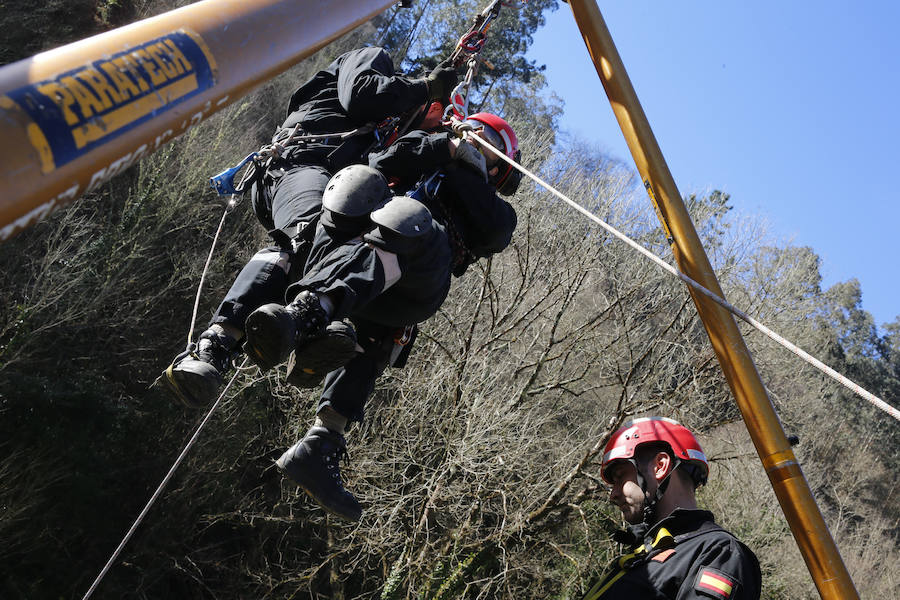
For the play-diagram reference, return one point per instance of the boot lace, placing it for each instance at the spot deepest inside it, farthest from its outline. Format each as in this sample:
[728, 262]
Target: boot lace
[309, 314]
[211, 350]
[332, 463]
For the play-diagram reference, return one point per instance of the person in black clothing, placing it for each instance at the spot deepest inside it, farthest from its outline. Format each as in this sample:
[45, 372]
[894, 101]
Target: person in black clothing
[677, 551]
[357, 92]
[383, 261]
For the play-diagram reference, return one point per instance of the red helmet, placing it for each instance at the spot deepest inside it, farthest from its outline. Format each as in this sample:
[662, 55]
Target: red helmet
[501, 136]
[625, 441]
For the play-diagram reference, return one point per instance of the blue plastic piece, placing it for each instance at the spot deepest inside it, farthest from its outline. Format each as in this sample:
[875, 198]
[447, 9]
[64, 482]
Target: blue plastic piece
[223, 183]
[426, 190]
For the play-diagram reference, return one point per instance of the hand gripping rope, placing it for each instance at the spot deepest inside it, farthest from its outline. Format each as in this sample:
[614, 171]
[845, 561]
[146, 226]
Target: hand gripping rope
[466, 131]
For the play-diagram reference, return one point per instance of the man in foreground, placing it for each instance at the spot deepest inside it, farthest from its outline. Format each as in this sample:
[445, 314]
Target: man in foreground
[654, 466]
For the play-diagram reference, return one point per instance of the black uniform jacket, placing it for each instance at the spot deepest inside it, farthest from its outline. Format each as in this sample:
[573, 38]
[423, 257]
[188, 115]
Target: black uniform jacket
[474, 215]
[686, 556]
[359, 87]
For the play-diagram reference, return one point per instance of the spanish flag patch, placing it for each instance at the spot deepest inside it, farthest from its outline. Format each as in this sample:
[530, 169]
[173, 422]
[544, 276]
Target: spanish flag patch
[714, 584]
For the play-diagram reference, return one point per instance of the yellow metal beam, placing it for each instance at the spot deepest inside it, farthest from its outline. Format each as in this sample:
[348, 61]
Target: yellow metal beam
[793, 493]
[73, 117]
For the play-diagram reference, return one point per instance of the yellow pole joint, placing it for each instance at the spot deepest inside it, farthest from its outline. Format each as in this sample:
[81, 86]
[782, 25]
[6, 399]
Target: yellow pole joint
[807, 525]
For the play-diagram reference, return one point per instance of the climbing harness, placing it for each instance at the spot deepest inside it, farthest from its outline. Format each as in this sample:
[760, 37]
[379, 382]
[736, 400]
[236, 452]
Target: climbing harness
[426, 192]
[288, 139]
[467, 50]
[805, 356]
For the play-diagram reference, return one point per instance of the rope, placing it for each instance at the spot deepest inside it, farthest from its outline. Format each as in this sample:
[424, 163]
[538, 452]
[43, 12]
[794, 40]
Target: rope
[849, 384]
[162, 485]
[228, 208]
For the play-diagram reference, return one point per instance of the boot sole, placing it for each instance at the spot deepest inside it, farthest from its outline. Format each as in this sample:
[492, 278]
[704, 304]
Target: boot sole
[191, 388]
[270, 336]
[308, 366]
[308, 492]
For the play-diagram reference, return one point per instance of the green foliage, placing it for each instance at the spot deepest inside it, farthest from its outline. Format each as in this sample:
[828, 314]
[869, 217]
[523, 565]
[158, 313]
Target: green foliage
[506, 83]
[40, 26]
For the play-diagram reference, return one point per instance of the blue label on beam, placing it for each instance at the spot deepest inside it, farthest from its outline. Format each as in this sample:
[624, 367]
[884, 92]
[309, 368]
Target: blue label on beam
[81, 109]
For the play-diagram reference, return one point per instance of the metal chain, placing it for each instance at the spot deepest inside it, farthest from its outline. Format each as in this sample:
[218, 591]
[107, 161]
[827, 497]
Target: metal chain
[468, 49]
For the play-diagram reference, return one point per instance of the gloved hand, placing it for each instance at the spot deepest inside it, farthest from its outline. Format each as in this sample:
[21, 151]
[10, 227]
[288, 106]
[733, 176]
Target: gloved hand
[441, 81]
[468, 155]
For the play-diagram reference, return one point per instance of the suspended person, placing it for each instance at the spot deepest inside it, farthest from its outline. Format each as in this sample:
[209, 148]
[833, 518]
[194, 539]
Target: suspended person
[358, 90]
[379, 265]
[677, 551]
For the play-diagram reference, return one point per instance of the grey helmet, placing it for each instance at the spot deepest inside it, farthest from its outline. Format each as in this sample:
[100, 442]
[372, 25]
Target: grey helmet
[402, 223]
[350, 196]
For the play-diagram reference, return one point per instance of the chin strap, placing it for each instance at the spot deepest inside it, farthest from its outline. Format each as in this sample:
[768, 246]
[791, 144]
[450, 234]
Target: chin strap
[650, 502]
[632, 536]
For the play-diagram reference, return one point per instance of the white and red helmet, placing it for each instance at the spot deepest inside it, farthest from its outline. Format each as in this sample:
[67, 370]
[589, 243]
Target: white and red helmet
[627, 439]
[500, 135]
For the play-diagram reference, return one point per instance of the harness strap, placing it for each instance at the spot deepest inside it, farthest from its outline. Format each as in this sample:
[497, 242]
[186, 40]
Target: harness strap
[427, 192]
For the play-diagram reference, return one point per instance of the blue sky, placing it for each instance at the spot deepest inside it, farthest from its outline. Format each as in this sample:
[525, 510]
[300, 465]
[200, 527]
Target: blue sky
[791, 107]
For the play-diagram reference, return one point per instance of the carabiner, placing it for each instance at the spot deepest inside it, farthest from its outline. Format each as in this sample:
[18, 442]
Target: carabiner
[223, 183]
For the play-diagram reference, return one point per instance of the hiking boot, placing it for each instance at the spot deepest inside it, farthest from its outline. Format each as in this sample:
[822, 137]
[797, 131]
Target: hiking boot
[196, 377]
[308, 364]
[273, 330]
[314, 464]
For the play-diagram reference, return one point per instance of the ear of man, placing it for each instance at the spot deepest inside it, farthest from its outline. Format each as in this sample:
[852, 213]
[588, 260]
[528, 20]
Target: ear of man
[661, 465]
[655, 460]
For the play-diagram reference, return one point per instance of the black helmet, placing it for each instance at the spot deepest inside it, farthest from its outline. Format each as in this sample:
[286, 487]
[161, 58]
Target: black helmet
[351, 195]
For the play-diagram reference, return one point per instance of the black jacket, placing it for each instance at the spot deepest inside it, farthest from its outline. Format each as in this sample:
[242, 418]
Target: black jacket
[474, 215]
[686, 556]
[359, 87]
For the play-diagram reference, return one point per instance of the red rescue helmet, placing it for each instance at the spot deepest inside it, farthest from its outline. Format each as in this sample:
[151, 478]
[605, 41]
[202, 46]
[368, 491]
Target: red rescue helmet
[625, 441]
[501, 136]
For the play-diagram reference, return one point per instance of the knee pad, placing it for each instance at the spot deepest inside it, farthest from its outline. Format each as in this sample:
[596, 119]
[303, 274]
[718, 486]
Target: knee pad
[276, 256]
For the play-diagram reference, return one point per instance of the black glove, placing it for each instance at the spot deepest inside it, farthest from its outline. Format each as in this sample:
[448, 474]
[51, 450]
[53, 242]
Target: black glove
[468, 155]
[441, 81]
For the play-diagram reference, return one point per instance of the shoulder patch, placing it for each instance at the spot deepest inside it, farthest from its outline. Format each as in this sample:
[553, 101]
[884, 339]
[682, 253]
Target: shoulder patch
[715, 584]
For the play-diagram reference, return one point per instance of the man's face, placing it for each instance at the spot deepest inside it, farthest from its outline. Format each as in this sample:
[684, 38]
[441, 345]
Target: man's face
[433, 117]
[626, 494]
[491, 160]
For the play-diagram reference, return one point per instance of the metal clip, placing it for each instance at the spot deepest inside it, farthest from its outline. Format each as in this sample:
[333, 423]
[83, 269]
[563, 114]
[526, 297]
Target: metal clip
[223, 183]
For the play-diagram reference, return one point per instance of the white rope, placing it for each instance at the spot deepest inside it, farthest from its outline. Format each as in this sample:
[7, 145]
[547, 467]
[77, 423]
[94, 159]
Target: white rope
[235, 199]
[851, 385]
[162, 485]
[228, 208]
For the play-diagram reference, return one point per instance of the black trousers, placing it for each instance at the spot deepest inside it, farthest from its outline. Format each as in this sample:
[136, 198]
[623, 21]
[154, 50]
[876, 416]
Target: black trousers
[352, 273]
[295, 196]
[347, 388]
